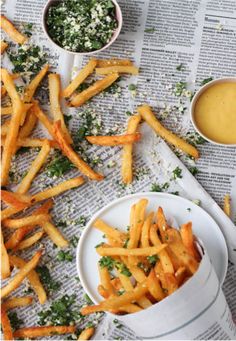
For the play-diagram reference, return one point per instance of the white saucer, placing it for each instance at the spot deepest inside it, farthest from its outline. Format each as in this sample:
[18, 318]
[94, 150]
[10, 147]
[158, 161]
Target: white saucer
[117, 213]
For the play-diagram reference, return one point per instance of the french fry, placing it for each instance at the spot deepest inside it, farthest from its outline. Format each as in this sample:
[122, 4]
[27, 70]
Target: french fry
[113, 62]
[9, 110]
[164, 257]
[162, 224]
[25, 221]
[16, 302]
[37, 111]
[93, 90]
[171, 283]
[54, 234]
[117, 302]
[180, 275]
[127, 161]
[11, 31]
[227, 206]
[154, 286]
[147, 114]
[5, 264]
[29, 124]
[116, 283]
[5, 128]
[32, 276]
[54, 82]
[19, 277]
[86, 334]
[102, 291]
[188, 240]
[31, 142]
[3, 91]
[80, 78]
[116, 251]
[145, 230]
[136, 227]
[72, 155]
[34, 168]
[110, 231]
[117, 69]
[15, 199]
[11, 137]
[114, 140]
[30, 241]
[19, 234]
[33, 332]
[106, 280]
[6, 325]
[4, 46]
[180, 251]
[47, 194]
[32, 86]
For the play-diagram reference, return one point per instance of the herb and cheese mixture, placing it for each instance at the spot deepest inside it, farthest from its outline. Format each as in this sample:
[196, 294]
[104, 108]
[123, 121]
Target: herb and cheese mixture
[82, 25]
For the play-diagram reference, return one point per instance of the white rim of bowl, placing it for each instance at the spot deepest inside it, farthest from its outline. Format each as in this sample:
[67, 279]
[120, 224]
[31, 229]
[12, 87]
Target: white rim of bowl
[194, 100]
[106, 207]
[113, 39]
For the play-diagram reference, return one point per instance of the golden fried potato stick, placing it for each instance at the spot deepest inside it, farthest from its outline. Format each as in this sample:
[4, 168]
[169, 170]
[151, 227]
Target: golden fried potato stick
[80, 78]
[154, 286]
[116, 251]
[9, 110]
[3, 91]
[117, 302]
[93, 90]
[5, 263]
[11, 31]
[114, 140]
[180, 275]
[15, 199]
[34, 332]
[47, 194]
[38, 162]
[113, 233]
[147, 115]
[47, 123]
[127, 160]
[11, 137]
[162, 224]
[29, 124]
[164, 256]
[26, 221]
[32, 276]
[32, 86]
[16, 302]
[32, 142]
[117, 68]
[113, 62]
[6, 326]
[188, 240]
[54, 234]
[146, 230]
[28, 242]
[15, 282]
[54, 82]
[72, 155]
[4, 46]
[136, 226]
[227, 207]
[86, 334]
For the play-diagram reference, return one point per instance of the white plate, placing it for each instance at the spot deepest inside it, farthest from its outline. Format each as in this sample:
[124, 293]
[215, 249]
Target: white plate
[117, 215]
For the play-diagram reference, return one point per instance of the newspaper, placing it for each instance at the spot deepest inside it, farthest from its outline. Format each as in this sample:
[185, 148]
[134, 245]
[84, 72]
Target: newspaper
[171, 41]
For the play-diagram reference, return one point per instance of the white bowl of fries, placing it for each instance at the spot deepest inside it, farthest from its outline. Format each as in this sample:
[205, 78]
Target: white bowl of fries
[143, 271]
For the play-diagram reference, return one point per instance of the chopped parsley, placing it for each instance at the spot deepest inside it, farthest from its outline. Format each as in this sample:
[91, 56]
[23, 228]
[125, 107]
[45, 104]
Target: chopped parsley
[128, 113]
[27, 60]
[194, 138]
[150, 30]
[152, 259]
[60, 312]
[177, 173]
[159, 188]
[88, 299]
[91, 124]
[194, 170]
[206, 80]
[132, 87]
[64, 256]
[180, 88]
[180, 67]
[14, 320]
[111, 263]
[74, 241]
[59, 166]
[28, 29]
[82, 25]
[48, 282]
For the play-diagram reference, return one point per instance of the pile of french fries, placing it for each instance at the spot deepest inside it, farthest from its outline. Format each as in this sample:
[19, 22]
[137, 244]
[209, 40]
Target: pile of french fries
[24, 113]
[157, 257]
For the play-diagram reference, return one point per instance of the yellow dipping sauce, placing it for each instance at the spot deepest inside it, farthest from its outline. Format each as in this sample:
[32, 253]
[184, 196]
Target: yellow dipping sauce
[215, 112]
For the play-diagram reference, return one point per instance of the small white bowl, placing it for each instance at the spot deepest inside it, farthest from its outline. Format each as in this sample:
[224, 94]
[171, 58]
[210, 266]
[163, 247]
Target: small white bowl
[119, 19]
[194, 101]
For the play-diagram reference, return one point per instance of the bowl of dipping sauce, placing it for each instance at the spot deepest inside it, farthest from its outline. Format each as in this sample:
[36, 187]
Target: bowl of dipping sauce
[213, 111]
[82, 27]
